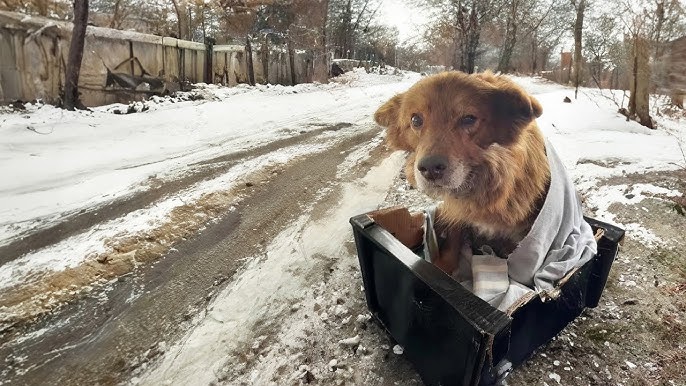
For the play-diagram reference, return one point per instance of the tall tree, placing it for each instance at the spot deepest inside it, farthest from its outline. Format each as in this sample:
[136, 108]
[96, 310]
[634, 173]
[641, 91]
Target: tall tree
[546, 33]
[349, 22]
[78, 37]
[468, 19]
[647, 28]
[523, 19]
[511, 25]
[580, 8]
[182, 19]
[320, 17]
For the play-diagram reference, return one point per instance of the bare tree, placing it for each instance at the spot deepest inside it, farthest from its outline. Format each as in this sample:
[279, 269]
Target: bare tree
[467, 18]
[119, 12]
[320, 17]
[47, 8]
[580, 8]
[78, 36]
[651, 24]
[182, 19]
[639, 97]
[349, 20]
[470, 17]
[606, 51]
[546, 32]
[523, 18]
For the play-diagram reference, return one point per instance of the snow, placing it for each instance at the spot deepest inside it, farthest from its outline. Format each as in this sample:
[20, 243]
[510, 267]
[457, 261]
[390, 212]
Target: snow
[54, 162]
[595, 141]
[272, 283]
[603, 197]
[72, 251]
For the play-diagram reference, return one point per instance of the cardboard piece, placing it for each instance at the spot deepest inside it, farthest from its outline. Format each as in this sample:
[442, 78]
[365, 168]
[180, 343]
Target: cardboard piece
[407, 228]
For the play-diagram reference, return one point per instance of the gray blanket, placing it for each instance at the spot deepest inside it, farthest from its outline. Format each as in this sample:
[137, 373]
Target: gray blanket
[559, 241]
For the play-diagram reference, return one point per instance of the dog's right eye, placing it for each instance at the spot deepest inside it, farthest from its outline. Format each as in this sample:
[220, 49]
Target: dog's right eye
[467, 120]
[416, 121]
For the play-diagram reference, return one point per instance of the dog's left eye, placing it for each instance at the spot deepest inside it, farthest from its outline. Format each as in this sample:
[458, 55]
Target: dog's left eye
[467, 120]
[416, 121]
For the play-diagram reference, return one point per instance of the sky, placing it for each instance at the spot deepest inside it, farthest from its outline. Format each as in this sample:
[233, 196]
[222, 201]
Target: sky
[408, 19]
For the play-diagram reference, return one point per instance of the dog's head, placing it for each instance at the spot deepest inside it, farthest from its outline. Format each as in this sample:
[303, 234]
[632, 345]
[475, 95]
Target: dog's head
[450, 122]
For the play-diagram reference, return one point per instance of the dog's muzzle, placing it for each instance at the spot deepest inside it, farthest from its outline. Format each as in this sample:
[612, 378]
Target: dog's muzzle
[439, 175]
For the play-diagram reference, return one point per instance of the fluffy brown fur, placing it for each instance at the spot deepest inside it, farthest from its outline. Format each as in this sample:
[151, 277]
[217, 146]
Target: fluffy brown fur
[477, 147]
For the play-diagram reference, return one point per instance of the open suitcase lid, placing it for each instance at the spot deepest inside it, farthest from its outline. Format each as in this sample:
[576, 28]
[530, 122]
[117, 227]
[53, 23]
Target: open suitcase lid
[451, 336]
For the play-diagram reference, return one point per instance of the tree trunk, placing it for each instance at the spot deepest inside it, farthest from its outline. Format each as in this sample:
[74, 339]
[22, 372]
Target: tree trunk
[639, 99]
[264, 52]
[78, 37]
[472, 41]
[534, 53]
[114, 22]
[472, 46]
[321, 55]
[458, 52]
[510, 39]
[248, 61]
[508, 48]
[181, 9]
[578, 30]
[291, 60]
[660, 16]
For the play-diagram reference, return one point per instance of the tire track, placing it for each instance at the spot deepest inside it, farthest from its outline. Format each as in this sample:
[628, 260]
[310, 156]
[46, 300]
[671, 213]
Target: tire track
[128, 323]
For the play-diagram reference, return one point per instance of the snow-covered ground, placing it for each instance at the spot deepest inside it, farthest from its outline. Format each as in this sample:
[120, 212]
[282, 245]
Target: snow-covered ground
[55, 163]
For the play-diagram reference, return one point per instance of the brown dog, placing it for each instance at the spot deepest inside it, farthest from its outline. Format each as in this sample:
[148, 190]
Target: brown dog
[473, 143]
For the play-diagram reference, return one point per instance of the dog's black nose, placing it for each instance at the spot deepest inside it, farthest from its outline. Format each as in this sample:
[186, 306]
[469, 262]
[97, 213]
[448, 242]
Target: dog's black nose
[432, 167]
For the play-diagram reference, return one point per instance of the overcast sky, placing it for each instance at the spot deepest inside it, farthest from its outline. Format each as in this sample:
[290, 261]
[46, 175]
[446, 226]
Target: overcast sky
[408, 19]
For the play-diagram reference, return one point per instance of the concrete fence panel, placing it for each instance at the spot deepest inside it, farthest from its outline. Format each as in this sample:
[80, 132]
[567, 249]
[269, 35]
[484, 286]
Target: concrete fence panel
[34, 54]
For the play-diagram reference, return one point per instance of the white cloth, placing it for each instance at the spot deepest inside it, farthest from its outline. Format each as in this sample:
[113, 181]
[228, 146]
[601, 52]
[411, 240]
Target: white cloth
[559, 241]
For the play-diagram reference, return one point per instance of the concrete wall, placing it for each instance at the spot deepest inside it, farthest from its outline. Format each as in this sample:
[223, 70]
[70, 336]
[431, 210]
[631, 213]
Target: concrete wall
[676, 64]
[33, 55]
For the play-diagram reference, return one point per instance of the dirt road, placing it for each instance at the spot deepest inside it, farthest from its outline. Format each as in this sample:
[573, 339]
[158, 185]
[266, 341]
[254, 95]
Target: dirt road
[112, 332]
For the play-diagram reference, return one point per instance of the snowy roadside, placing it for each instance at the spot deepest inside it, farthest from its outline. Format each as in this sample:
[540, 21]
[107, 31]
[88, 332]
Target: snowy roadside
[277, 286]
[72, 168]
[89, 158]
[596, 143]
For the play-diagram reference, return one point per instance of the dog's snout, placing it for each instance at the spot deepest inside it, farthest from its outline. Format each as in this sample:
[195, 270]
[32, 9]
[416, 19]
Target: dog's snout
[432, 167]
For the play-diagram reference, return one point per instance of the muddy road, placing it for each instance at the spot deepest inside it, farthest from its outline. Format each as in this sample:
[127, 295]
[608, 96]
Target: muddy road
[114, 330]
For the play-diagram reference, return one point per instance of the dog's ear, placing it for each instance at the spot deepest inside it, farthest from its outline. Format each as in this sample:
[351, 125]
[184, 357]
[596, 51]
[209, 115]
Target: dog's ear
[513, 104]
[512, 108]
[388, 116]
[510, 100]
[536, 107]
